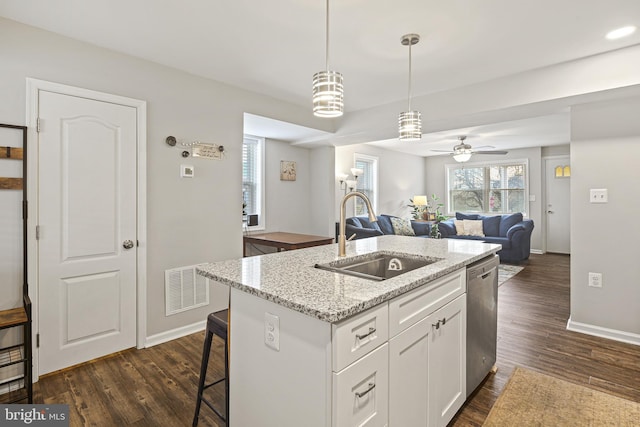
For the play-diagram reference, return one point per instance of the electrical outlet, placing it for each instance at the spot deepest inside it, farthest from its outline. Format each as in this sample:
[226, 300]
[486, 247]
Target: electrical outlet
[272, 331]
[598, 195]
[595, 280]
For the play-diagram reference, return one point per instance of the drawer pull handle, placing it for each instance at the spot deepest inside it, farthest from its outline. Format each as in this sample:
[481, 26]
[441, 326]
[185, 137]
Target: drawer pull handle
[440, 322]
[360, 395]
[361, 337]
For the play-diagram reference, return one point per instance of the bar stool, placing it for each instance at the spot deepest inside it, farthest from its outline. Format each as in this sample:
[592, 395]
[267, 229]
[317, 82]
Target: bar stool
[217, 324]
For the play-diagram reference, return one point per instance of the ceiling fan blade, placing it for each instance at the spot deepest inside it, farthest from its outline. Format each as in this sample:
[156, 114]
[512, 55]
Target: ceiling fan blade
[490, 152]
[443, 151]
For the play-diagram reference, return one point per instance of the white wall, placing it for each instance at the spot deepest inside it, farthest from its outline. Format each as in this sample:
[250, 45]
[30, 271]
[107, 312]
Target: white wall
[605, 150]
[435, 174]
[189, 220]
[400, 177]
[291, 206]
[287, 202]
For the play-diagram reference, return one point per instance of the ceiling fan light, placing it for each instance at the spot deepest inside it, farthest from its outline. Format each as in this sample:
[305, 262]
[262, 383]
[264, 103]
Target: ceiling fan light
[462, 157]
[410, 125]
[328, 94]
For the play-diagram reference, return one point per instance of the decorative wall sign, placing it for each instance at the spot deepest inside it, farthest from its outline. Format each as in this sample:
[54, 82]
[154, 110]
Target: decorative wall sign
[207, 151]
[287, 170]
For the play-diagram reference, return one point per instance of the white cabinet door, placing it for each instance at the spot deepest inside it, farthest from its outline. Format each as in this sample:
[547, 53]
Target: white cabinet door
[361, 391]
[409, 376]
[447, 361]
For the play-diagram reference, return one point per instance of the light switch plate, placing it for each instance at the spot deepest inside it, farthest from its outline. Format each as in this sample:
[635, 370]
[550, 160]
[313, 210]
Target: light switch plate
[598, 195]
[186, 171]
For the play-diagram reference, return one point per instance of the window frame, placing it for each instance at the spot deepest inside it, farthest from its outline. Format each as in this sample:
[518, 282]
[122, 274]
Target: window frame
[260, 181]
[375, 161]
[487, 165]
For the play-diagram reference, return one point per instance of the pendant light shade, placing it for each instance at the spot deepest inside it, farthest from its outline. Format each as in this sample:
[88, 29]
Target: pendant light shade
[328, 91]
[410, 121]
[410, 125]
[328, 94]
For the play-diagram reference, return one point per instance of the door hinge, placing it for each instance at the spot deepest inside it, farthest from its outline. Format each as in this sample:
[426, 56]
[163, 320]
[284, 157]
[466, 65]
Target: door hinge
[37, 232]
[38, 124]
[37, 340]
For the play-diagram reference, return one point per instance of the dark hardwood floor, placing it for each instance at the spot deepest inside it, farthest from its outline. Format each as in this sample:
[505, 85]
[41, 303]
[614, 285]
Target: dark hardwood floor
[157, 386]
[533, 310]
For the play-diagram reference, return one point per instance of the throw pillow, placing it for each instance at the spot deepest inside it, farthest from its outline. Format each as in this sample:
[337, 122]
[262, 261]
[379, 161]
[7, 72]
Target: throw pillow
[459, 227]
[509, 221]
[491, 225]
[461, 216]
[472, 227]
[402, 227]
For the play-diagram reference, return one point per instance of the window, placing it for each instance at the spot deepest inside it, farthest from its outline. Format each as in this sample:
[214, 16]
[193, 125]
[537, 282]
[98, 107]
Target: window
[487, 188]
[367, 182]
[253, 177]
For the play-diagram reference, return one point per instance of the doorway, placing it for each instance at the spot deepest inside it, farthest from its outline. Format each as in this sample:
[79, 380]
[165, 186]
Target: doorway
[88, 214]
[557, 204]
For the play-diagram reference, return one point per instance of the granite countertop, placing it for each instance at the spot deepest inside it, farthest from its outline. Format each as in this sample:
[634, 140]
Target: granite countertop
[291, 280]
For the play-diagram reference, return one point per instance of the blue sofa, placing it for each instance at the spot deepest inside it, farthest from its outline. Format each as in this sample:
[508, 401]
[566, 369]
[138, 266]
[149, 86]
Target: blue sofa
[511, 231]
[362, 227]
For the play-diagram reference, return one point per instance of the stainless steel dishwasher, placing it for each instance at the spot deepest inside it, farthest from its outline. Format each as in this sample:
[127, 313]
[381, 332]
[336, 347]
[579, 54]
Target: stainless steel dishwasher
[482, 319]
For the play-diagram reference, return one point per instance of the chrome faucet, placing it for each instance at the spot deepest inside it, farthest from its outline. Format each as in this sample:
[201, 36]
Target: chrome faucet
[342, 238]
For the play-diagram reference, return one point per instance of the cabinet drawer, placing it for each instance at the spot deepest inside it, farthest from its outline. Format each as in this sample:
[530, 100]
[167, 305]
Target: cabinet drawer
[361, 391]
[358, 335]
[410, 308]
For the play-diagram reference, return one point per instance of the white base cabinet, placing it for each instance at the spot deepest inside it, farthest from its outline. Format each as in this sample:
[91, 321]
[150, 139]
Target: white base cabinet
[399, 364]
[361, 391]
[427, 369]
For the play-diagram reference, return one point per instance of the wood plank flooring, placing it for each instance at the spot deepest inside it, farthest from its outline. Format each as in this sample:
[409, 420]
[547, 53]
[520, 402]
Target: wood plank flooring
[157, 386]
[533, 310]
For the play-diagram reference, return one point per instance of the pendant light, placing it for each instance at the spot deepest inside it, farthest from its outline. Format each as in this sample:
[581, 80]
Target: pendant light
[410, 121]
[328, 91]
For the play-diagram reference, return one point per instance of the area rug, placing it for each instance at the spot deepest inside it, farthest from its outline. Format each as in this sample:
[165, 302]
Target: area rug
[534, 399]
[506, 272]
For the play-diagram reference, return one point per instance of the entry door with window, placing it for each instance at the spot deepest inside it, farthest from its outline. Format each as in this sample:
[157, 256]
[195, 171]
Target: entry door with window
[87, 229]
[558, 181]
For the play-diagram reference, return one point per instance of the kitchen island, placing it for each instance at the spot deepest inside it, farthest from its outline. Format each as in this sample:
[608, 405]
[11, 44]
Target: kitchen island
[311, 347]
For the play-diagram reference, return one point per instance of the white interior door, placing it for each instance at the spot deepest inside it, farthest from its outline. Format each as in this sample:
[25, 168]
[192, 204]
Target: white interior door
[87, 216]
[558, 206]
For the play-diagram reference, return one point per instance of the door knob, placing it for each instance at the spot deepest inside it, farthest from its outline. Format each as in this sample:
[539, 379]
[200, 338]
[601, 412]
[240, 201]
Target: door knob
[127, 244]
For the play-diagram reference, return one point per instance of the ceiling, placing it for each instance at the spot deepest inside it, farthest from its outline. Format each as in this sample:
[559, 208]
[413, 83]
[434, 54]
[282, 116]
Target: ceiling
[274, 47]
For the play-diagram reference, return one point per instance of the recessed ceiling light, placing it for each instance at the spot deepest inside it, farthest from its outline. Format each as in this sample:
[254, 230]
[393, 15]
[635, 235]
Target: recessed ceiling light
[621, 32]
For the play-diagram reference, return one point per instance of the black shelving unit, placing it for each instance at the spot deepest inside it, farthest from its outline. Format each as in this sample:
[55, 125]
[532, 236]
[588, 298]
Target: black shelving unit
[21, 388]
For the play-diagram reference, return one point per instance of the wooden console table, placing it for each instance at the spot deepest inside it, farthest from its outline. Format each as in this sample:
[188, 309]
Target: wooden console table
[284, 241]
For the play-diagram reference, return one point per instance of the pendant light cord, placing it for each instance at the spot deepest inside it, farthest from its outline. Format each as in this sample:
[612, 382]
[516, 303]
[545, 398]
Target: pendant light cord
[410, 77]
[326, 63]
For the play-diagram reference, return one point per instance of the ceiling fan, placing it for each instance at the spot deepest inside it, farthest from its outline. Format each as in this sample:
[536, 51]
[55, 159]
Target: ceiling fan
[462, 152]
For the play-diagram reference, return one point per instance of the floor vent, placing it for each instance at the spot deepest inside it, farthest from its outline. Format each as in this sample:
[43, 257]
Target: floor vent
[185, 290]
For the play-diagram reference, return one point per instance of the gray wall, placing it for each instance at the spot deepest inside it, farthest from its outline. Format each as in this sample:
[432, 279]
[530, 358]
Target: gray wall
[189, 220]
[400, 177]
[435, 175]
[605, 150]
[298, 206]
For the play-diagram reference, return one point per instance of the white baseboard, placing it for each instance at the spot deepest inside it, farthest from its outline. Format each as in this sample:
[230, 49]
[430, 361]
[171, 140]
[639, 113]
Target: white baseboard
[536, 251]
[175, 333]
[601, 332]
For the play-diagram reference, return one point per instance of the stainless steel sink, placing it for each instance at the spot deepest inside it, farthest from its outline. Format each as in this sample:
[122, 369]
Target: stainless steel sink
[378, 265]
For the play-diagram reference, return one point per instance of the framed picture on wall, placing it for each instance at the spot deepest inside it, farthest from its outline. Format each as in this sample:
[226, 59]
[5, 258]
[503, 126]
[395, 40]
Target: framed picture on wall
[287, 170]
